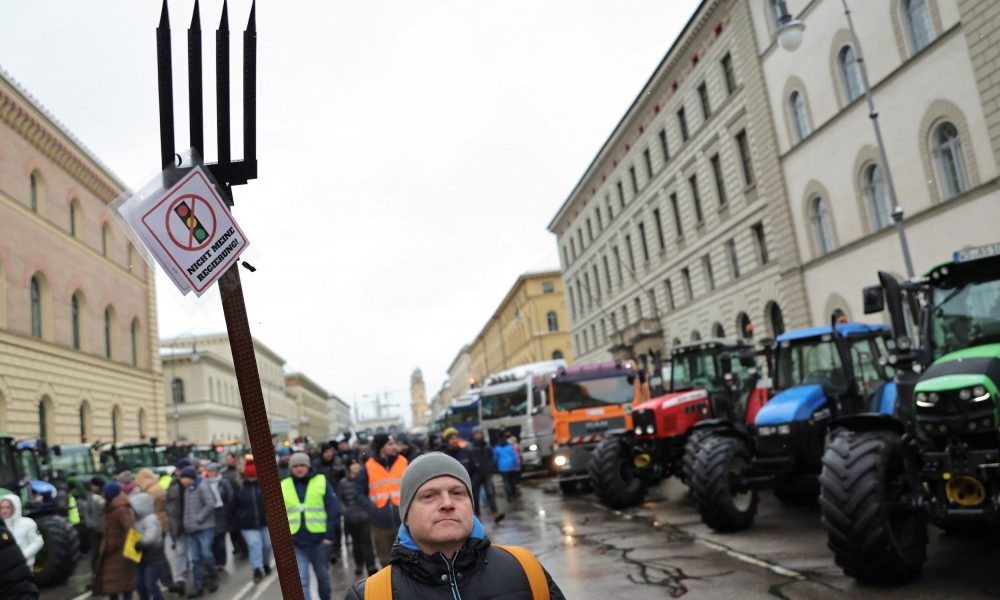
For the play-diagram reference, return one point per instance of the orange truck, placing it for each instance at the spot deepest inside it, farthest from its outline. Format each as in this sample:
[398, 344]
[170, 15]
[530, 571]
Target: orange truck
[588, 402]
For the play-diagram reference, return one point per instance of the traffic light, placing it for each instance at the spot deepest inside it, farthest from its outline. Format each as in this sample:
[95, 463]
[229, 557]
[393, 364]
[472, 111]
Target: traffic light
[190, 221]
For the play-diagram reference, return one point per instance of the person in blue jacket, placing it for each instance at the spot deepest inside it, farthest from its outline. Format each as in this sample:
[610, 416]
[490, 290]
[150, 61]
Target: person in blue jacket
[313, 519]
[508, 464]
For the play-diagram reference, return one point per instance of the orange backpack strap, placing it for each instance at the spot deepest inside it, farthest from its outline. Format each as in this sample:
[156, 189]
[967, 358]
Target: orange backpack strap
[532, 568]
[379, 585]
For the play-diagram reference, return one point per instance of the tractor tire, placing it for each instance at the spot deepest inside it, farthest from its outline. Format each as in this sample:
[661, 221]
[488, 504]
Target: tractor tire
[873, 538]
[614, 480]
[798, 491]
[57, 559]
[691, 454]
[723, 509]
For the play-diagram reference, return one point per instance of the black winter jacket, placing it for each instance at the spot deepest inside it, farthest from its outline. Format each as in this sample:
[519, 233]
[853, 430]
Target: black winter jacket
[479, 571]
[249, 506]
[465, 457]
[483, 454]
[16, 579]
[349, 492]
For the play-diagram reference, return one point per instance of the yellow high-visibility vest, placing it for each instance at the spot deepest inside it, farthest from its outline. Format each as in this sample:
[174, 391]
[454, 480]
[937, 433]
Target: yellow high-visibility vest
[74, 513]
[312, 509]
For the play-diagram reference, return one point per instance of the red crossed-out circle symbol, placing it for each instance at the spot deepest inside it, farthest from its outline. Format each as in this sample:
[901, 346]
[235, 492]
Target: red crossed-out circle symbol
[191, 222]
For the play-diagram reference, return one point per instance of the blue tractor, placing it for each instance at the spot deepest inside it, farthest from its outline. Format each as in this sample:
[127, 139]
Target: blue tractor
[821, 375]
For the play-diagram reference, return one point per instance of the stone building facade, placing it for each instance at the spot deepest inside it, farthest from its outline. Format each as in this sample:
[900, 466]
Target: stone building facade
[78, 342]
[340, 416]
[679, 230]
[312, 408]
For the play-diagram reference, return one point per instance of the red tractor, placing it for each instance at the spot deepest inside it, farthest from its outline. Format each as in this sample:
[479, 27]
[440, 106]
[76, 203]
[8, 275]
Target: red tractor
[711, 381]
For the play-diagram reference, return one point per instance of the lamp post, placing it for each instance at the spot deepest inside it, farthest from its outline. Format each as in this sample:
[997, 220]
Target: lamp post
[789, 35]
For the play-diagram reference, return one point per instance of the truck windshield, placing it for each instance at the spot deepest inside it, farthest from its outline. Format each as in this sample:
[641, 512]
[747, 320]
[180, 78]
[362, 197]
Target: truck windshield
[506, 404]
[464, 416]
[965, 316]
[694, 370]
[592, 393]
[810, 362]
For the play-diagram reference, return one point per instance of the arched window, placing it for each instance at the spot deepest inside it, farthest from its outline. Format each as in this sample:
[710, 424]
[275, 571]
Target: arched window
[35, 191]
[75, 310]
[718, 330]
[819, 214]
[43, 419]
[878, 204]
[744, 325]
[36, 307]
[797, 106]
[109, 318]
[553, 320]
[177, 390]
[775, 319]
[917, 19]
[850, 72]
[948, 156]
[695, 336]
[135, 342]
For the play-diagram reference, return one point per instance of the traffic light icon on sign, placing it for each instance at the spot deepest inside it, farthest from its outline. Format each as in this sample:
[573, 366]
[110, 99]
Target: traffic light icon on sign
[190, 221]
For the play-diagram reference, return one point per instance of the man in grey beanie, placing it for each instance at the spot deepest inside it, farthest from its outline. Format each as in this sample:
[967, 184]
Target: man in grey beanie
[441, 549]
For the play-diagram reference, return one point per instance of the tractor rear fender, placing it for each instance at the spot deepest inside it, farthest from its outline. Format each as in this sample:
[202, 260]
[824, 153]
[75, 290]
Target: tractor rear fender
[866, 422]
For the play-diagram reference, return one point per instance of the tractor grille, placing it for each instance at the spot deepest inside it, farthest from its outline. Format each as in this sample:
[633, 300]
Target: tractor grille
[641, 419]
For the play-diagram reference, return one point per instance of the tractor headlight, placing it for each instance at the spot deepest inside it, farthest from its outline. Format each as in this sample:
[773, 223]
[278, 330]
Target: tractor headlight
[784, 429]
[533, 448]
[638, 430]
[650, 430]
[927, 400]
[965, 394]
[980, 394]
[560, 460]
[766, 431]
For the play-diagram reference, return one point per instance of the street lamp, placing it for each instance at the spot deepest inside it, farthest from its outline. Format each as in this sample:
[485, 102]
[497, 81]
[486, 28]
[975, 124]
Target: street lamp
[790, 37]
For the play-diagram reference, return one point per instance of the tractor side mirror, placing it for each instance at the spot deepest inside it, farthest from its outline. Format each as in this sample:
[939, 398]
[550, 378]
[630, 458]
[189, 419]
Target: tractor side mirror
[57, 450]
[873, 298]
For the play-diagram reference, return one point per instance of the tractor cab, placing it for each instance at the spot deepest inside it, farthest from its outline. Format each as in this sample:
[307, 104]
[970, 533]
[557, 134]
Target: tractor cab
[38, 493]
[132, 456]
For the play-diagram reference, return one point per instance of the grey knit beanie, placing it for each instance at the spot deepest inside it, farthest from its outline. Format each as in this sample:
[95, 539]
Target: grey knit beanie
[424, 468]
[299, 458]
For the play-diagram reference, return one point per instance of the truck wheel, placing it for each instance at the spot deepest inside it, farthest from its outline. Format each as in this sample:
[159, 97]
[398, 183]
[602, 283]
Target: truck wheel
[57, 559]
[613, 477]
[723, 508]
[874, 536]
[798, 491]
[691, 453]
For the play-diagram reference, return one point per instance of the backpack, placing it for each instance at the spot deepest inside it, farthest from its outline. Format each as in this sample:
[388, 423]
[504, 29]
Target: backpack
[379, 585]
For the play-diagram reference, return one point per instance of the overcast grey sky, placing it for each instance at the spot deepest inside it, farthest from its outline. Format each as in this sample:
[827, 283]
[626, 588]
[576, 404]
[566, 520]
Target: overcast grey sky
[410, 152]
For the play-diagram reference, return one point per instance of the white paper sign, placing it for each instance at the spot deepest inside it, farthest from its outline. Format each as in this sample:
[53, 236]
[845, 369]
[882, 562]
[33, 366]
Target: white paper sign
[190, 232]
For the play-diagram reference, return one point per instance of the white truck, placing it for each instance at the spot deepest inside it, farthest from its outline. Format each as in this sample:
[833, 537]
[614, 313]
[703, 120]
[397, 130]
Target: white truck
[516, 401]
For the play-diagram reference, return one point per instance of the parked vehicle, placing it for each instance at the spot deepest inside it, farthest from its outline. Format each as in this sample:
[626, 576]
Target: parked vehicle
[516, 401]
[463, 414]
[713, 384]
[133, 456]
[820, 374]
[884, 480]
[587, 403]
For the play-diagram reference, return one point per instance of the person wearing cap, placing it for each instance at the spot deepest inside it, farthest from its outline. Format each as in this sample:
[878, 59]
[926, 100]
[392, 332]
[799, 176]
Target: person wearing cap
[178, 538]
[381, 478]
[313, 519]
[252, 522]
[442, 550]
[199, 526]
[115, 573]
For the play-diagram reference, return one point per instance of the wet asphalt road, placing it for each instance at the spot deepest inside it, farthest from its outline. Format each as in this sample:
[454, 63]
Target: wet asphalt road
[662, 550]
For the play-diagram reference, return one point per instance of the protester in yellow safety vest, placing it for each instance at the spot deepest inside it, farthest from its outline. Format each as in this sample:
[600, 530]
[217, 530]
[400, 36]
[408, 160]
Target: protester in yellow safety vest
[442, 549]
[313, 519]
[381, 478]
[74, 513]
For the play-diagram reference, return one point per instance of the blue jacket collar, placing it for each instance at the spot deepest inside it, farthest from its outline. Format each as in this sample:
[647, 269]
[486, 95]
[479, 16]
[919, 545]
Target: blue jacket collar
[406, 540]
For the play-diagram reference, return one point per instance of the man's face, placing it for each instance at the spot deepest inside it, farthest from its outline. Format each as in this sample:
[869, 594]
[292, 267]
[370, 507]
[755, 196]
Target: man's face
[354, 469]
[186, 481]
[300, 470]
[390, 449]
[344, 446]
[6, 510]
[440, 515]
[211, 474]
[328, 453]
[453, 441]
[230, 459]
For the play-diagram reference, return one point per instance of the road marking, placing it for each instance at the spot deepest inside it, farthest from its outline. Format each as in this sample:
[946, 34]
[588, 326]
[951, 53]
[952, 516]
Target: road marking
[267, 583]
[243, 592]
[84, 596]
[753, 560]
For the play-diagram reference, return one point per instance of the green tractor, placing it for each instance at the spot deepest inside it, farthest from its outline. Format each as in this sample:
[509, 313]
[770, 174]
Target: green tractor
[133, 456]
[883, 481]
[22, 475]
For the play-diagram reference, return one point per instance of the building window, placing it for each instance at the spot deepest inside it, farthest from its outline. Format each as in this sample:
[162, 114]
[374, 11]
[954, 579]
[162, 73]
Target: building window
[948, 156]
[177, 390]
[579, 294]
[548, 287]
[797, 106]
[819, 214]
[876, 196]
[586, 286]
[670, 294]
[638, 309]
[579, 236]
[649, 163]
[728, 74]
[918, 24]
[663, 145]
[553, 320]
[604, 331]
[675, 208]
[683, 124]
[572, 302]
[634, 179]
[109, 316]
[621, 193]
[695, 336]
[135, 342]
[75, 311]
[734, 260]
[105, 239]
[586, 342]
[590, 232]
[43, 425]
[686, 276]
[706, 263]
[74, 216]
[631, 255]
[572, 247]
[760, 241]
[607, 273]
[706, 107]
[776, 319]
[659, 229]
[618, 263]
[850, 73]
[36, 191]
[625, 320]
[557, 355]
[597, 284]
[696, 199]
[611, 210]
[565, 256]
[720, 183]
[718, 331]
[36, 308]
[744, 146]
[83, 421]
[642, 238]
[745, 326]
[600, 220]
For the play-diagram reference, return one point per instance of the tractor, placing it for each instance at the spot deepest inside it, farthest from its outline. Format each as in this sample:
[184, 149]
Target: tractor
[706, 387]
[819, 374]
[20, 474]
[883, 481]
[133, 456]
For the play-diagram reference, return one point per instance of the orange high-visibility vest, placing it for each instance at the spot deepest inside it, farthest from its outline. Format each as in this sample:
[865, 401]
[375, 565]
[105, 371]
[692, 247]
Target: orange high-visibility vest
[384, 485]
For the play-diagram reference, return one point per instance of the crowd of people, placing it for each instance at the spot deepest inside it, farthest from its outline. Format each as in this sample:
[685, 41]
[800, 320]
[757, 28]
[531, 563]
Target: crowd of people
[149, 533]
